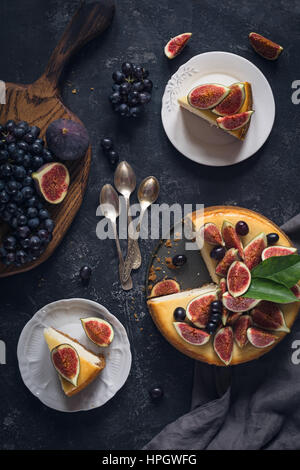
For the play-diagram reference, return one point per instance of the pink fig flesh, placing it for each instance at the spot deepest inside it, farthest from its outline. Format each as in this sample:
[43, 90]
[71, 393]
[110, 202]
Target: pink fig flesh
[52, 181]
[223, 266]
[269, 316]
[234, 121]
[254, 249]
[231, 238]
[265, 47]
[260, 338]
[238, 279]
[240, 328]
[277, 251]
[165, 287]
[223, 344]
[233, 101]
[191, 335]
[176, 45]
[211, 234]
[198, 310]
[207, 96]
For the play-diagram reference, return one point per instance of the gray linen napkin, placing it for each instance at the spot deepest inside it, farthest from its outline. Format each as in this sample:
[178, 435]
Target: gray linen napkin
[250, 406]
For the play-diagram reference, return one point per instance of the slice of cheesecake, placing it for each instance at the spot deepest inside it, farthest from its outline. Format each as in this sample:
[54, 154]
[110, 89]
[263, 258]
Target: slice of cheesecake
[90, 364]
[211, 117]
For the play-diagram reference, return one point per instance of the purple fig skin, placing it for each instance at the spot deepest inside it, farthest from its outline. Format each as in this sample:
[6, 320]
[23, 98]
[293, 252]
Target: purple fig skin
[265, 47]
[67, 139]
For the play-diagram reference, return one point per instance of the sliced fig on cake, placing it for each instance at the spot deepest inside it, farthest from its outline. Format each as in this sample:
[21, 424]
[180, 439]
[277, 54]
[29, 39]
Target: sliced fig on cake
[52, 182]
[190, 334]
[165, 287]
[233, 101]
[254, 249]
[260, 338]
[269, 316]
[265, 47]
[238, 304]
[233, 317]
[235, 121]
[98, 330]
[66, 361]
[223, 289]
[198, 310]
[223, 344]
[176, 45]
[211, 234]
[231, 238]
[207, 96]
[240, 328]
[238, 279]
[277, 251]
[230, 257]
[296, 290]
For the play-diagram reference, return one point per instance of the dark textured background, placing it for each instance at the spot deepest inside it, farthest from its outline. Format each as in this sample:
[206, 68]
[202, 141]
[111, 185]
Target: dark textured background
[268, 182]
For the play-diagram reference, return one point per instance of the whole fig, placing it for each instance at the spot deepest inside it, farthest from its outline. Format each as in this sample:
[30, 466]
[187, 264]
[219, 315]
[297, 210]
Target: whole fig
[67, 139]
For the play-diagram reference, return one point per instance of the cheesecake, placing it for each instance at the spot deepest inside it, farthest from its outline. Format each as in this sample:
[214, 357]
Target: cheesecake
[211, 117]
[162, 309]
[90, 364]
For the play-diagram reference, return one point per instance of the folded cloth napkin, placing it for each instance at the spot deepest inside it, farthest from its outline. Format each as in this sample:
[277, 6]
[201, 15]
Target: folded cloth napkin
[250, 406]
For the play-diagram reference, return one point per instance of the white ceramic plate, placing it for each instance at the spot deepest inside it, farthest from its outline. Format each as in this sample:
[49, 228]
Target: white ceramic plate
[196, 138]
[38, 372]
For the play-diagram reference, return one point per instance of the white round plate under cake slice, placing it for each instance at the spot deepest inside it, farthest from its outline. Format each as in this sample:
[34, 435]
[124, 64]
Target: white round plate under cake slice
[38, 372]
[197, 139]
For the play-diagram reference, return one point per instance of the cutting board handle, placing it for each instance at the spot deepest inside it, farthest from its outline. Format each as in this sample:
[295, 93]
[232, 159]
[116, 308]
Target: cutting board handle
[89, 21]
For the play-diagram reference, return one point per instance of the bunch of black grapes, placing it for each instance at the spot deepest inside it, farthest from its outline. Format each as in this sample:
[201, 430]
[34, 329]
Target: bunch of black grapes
[21, 153]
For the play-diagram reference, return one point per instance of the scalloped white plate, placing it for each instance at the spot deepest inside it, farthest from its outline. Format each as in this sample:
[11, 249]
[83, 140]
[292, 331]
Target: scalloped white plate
[38, 372]
[196, 138]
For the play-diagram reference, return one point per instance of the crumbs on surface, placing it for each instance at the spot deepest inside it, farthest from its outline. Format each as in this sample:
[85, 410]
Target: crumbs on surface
[168, 243]
[152, 276]
[74, 91]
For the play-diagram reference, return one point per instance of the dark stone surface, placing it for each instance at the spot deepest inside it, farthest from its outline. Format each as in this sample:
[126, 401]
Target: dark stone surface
[268, 182]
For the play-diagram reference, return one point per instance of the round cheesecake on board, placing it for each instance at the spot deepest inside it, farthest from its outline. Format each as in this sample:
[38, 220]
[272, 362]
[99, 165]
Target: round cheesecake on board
[162, 308]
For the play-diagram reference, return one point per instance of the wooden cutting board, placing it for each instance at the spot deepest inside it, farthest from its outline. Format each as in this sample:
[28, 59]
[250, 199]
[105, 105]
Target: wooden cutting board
[40, 103]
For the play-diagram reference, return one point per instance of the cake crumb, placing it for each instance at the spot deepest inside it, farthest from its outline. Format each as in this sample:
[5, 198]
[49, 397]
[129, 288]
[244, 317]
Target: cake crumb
[169, 263]
[74, 91]
[168, 243]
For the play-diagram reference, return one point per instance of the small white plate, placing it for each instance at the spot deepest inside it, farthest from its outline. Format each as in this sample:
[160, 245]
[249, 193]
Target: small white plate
[196, 138]
[38, 372]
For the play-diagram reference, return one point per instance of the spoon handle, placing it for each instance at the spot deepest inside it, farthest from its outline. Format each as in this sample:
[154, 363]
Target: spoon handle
[133, 246]
[126, 284]
[131, 254]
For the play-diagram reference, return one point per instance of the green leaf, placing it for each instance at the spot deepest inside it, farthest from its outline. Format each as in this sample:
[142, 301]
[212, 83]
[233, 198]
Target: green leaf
[266, 289]
[282, 269]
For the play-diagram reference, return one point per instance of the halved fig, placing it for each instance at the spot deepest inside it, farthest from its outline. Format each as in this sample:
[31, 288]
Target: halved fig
[98, 330]
[254, 249]
[265, 47]
[207, 96]
[238, 279]
[235, 121]
[233, 101]
[223, 285]
[238, 304]
[66, 362]
[269, 316]
[223, 344]
[260, 338]
[190, 334]
[296, 290]
[52, 182]
[233, 317]
[223, 289]
[165, 287]
[240, 328]
[229, 258]
[198, 309]
[176, 45]
[231, 238]
[277, 251]
[211, 234]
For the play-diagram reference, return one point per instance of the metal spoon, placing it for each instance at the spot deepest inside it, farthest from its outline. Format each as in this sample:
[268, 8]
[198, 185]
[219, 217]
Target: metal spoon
[147, 194]
[125, 183]
[109, 201]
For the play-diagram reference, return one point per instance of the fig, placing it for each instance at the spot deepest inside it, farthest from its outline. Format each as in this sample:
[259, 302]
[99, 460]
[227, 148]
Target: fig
[254, 249]
[67, 139]
[233, 101]
[52, 182]
[223, 344]
[277, 251]
[234, 121]
[190, 334]
[66, 362]
[207, 96]
[240, 328]
[198, 310]
[238, 279]
[265, 47]
[98, 330]
[260, 338]
[223, 289]
[176, 45]
[233, 317]
[223, 285]
[296, 290]
[211, 234]
[229, 258]
[165, 287]
[231, 238]
[268, 315]
[238, 304]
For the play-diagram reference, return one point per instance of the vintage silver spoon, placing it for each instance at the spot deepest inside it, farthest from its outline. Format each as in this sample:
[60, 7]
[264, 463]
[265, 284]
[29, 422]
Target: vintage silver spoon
[109, 201]
[147, 194]
[125, 183]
